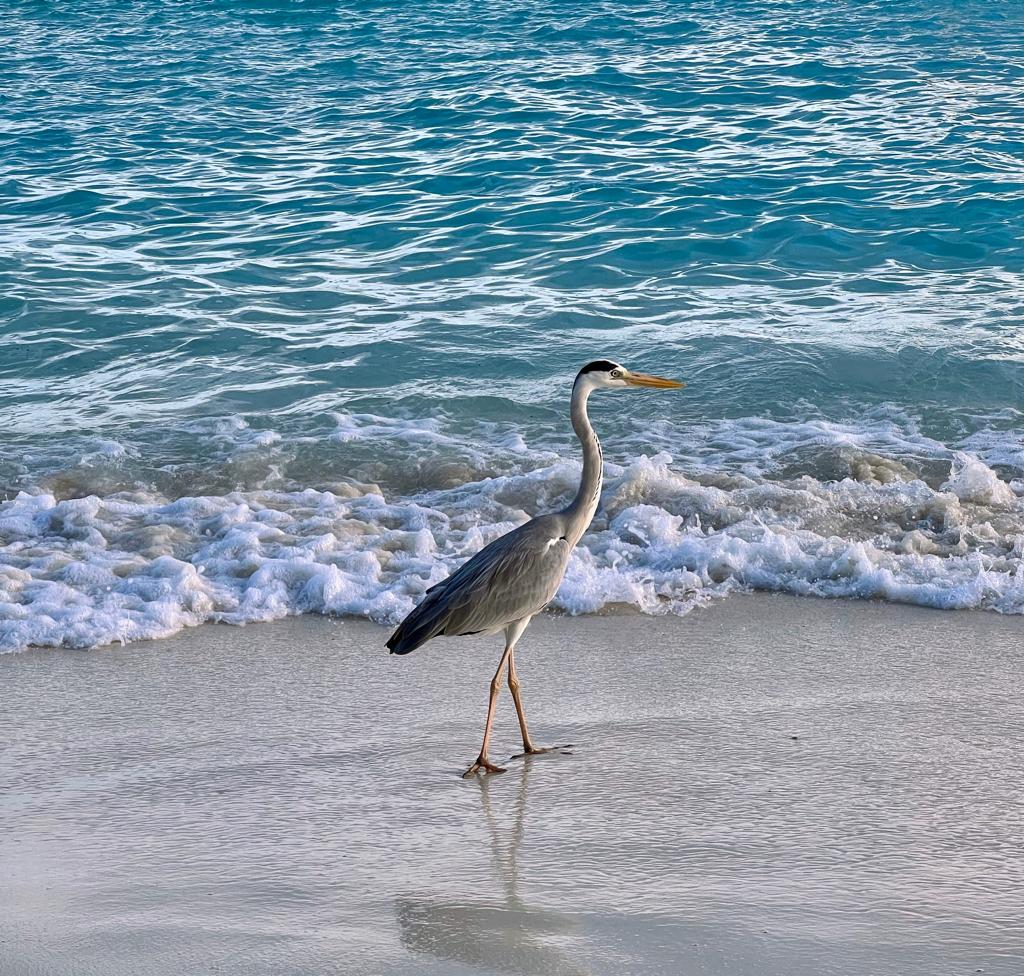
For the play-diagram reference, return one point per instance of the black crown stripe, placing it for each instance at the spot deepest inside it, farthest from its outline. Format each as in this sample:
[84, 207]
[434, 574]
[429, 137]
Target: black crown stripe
[598, 364]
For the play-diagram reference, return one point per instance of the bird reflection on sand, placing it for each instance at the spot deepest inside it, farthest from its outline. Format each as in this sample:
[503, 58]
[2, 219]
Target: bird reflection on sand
[506, 936]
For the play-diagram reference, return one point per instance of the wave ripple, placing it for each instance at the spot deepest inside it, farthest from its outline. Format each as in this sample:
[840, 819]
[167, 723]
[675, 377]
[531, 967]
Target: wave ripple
[328, 272]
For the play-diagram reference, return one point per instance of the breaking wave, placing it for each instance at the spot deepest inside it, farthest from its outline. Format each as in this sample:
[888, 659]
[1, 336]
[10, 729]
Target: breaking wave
[928, 525]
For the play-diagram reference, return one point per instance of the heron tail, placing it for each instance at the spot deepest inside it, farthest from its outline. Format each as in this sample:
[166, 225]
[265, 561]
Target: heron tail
[426, 621]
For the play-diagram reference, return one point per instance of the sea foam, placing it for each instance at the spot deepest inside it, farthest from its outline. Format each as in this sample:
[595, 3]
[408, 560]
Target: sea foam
[89, 571]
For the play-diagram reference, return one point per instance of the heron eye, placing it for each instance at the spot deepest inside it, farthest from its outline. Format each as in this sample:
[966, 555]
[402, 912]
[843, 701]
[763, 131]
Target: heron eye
[616, 372]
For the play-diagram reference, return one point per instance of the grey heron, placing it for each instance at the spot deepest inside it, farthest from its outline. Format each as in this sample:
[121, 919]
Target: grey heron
[514, 577]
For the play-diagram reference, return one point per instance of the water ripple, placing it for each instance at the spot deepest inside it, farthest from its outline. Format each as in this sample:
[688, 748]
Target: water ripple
[216, 215]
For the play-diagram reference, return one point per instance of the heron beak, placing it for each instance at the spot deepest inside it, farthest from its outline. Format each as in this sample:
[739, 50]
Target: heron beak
[654, 382]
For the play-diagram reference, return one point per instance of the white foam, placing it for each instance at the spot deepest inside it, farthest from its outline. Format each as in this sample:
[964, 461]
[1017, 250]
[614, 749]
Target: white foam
[89, 571]
[972, 481]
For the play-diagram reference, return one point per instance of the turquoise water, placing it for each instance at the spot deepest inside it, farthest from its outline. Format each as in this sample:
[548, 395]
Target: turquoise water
[270, 248]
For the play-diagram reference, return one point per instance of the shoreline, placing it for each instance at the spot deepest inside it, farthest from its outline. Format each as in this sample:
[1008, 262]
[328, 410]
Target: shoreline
[552, 615]
[86, 571]
[768, 786]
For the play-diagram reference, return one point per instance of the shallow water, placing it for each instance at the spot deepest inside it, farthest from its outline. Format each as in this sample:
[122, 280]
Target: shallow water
[285, 247]
[286, 800]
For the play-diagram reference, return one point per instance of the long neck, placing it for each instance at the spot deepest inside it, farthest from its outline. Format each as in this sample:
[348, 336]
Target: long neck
[583, 506]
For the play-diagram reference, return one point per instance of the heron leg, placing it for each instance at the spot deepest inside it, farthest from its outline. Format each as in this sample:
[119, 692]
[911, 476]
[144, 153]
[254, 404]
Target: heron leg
[482, 761]
[529, 749]
[513, 685]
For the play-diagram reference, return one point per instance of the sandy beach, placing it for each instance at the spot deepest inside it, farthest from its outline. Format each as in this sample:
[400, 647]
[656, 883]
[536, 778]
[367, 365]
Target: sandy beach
[767, 786]
[311, 313]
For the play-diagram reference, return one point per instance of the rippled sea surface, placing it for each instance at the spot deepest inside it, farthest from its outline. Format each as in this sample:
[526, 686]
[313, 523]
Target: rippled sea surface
[292, 296]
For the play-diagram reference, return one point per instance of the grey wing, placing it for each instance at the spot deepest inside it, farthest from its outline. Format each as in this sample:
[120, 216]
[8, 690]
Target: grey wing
[513, 577]
[517, 576]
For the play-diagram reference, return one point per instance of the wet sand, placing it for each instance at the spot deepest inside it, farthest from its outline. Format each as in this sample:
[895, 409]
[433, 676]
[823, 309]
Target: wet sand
[767, 786]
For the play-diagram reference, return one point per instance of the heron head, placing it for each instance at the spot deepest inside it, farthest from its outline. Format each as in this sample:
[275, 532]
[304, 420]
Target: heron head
[603, 374]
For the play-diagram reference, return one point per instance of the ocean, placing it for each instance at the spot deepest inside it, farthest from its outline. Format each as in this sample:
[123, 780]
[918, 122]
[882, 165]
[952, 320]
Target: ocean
[292, 296]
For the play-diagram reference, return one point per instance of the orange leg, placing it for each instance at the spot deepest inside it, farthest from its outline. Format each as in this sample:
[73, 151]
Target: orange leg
[482, 761]
[513, 686]
[529, 749]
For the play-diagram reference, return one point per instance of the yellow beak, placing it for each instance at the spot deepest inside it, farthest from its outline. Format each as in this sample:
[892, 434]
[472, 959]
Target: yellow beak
[654, 382]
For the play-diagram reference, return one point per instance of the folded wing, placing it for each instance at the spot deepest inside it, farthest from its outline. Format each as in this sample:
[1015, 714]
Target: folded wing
[513, 577]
